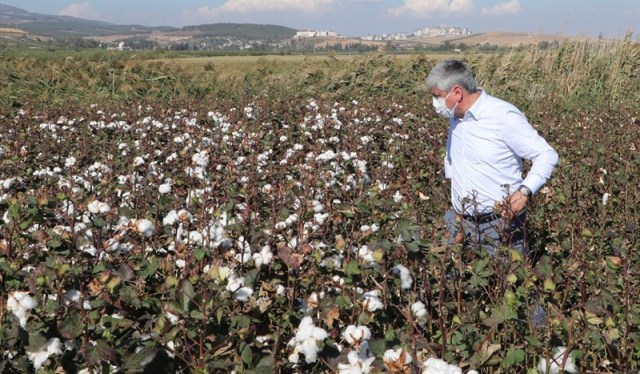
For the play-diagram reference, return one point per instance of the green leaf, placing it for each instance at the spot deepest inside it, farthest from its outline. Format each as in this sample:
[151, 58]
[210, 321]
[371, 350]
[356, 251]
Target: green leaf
[55, 242]
[100, 352]
[352, 268]
[377, 347]
[185, 294]
[71, 327]
[246, 353]
[199, 253]
[196, 314]
[150, 266]
[514, 357]
[499, 315]
[343, 302]
[140, 359]
[534, 341]
[265, 365]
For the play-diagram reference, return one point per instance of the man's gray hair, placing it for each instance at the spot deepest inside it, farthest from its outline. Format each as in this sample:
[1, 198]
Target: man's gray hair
[446, 74]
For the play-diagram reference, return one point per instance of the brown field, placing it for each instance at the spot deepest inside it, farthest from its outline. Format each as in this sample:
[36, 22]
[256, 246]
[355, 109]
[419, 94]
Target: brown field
[499, 38]
[8, 30]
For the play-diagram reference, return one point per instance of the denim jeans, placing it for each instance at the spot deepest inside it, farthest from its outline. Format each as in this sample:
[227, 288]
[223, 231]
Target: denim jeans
[488, 235]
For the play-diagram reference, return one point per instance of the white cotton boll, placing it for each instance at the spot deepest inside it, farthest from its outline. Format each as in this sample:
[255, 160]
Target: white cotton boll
[393, 355]
[145, 227]
[356, 334]
[320, 218]
[372, 301]
[170, 218]
[19, 303]
[71, 296]
[164, 188]
[291, 220]
[201, 159]
[556, 361]
[326, 156]
[138, 161]
[306, 339]
[405, 276]
[236, 287]
[353, 365]
[294, 358]
[397, 197]
[419, 312]
[53, 346]
[318, 207]
[605, 198]
[436, 366]
[243, 294]
[266, 189]
[67, 208]
[173, 319]
[69, 162]
[181, 264]
[264, 257]
[96, 207]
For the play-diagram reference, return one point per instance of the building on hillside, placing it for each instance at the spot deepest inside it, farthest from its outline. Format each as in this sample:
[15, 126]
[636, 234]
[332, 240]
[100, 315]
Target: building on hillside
[301, 34]
[442, 30]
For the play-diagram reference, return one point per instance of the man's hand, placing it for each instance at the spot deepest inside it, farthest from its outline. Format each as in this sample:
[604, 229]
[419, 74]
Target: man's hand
[510, 209]
[517, 203]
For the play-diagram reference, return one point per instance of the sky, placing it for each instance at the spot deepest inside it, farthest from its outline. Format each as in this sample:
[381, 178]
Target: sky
[609, 19]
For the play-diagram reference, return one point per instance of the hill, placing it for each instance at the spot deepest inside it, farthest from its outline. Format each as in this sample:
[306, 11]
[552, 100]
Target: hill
[498, 38]
[61, 27]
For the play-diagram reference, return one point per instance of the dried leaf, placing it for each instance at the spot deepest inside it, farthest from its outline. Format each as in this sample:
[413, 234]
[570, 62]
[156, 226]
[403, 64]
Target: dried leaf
[333, 314]
[292, 260]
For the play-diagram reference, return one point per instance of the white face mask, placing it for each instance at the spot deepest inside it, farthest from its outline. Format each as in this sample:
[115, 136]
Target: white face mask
[439, 104]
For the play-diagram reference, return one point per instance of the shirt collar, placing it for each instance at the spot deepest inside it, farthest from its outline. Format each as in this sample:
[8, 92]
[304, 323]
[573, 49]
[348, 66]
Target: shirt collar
[474, 111]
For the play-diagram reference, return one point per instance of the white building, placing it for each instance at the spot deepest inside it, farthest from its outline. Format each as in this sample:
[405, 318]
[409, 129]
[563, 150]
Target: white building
[315, 34]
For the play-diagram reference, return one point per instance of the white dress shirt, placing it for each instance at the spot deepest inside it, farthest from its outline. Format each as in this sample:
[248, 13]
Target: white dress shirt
[484, 154]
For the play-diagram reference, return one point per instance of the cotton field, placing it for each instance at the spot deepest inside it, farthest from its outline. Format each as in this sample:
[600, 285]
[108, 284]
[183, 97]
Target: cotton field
[302, 235]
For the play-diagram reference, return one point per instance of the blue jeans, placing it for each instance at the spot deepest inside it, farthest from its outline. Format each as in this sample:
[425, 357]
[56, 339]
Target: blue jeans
[488, 235]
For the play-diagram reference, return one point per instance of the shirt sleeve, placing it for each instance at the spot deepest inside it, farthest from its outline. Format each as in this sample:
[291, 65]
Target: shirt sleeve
[525, 141]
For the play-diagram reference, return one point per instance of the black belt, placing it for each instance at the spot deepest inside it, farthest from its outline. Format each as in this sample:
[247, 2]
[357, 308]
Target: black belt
[481, 218]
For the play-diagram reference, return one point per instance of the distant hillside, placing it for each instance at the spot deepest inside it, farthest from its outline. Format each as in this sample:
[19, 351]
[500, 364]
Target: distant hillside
[498, 38]
[242, 31]
[64, 26]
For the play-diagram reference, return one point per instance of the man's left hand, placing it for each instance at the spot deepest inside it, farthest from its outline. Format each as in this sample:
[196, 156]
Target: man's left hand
[517, 203]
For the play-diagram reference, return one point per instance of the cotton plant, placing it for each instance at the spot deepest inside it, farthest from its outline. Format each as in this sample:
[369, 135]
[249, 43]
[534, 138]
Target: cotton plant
[235, 285]
[405, 276]
[397, 361]
[306, 341]
[358, 361]
[355, 335]
[20, 303]
[419, 312]
[360, 358]
[557, 363]
[371, 301]
[437, 366]
[40, 356]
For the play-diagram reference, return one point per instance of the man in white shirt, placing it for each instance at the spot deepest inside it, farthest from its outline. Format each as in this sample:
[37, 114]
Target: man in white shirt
[488, 140]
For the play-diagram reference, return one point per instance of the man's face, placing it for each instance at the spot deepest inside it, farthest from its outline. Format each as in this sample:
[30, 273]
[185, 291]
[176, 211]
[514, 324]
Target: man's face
[451, 98]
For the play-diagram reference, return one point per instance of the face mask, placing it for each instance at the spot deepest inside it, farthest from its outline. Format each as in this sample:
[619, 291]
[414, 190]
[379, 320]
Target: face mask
[441, 107]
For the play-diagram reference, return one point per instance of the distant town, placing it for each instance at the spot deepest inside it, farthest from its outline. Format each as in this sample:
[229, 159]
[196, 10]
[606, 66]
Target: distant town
[441, 30]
